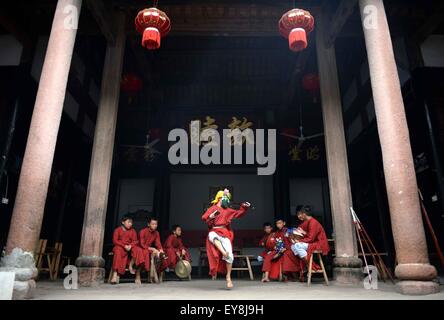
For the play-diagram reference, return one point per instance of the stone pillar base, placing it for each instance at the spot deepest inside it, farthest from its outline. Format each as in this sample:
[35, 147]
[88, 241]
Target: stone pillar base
[23, 289]
[90, 270]
[350, 276]
[347, 270]
[417, 287]
[91, 277]
[416, 278]
[22, 264]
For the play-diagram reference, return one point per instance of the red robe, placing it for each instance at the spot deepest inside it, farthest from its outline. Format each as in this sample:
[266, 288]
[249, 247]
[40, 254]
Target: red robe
[315, 237]
[290, 262]
[121, 238]
[263, 244]
[148, 239]
[270, 265]
[173, 245]
[222, 220]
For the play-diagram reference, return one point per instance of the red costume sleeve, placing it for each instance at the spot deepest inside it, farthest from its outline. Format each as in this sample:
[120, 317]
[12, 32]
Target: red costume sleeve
[168, 242]
[180, 245]
[117, 241]
[313, 230]
[134, 239]
[157, 242]
[143, 239]
[206, 215]
[235, 214]
[263, 241]
[241, 212]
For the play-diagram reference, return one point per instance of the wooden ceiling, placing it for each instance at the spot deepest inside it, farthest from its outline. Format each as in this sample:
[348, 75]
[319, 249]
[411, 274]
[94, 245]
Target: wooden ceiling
[221, 53]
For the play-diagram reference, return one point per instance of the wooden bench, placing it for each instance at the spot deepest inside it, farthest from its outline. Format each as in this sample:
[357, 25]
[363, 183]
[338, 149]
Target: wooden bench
[152, 274]
[247, 262]
[203, 259]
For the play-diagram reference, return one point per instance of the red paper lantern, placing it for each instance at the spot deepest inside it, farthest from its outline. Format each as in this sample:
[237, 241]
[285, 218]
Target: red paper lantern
[131, 84]
[295, 25]
[311, 83]
[153, 24]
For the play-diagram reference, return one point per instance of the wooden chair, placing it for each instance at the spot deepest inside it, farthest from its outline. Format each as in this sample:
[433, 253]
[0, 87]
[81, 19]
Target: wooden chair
[247, 264]
[43, 257]
[50, 255]
[40, 250]
[311, 271]
[56, 255]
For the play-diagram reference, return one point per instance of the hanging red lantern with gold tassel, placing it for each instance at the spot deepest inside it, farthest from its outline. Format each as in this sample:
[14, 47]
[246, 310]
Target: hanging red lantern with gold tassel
[295, 25]
[153, 24]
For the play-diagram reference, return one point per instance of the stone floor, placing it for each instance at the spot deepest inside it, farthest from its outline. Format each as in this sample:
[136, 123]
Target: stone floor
[214, 290]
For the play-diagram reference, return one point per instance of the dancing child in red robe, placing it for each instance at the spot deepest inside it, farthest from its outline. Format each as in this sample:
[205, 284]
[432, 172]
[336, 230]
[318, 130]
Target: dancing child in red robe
[219, 243]
[174, 248]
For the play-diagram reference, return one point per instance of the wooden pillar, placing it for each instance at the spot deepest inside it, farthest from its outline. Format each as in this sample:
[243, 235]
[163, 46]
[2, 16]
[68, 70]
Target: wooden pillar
[32, 189]
[346, 265]
[90, 261]
[413, 269]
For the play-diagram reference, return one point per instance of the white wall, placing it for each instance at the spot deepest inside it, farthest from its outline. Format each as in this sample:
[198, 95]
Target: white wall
[190, 193]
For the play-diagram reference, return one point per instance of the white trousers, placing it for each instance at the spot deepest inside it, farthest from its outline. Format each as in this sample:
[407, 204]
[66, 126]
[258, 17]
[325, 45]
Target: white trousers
[300, 249]
[226, 244]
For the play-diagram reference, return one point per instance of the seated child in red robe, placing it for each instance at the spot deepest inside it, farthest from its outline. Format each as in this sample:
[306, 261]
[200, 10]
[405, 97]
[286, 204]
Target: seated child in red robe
[174, 248]
[277, 246]
[149, 244]
[125, 244]
[268, 229]
[314, 238]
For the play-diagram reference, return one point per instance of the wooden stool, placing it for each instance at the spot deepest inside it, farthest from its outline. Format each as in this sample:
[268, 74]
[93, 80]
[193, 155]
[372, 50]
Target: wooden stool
[322, 270]
[153, 272]
[247, 263]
